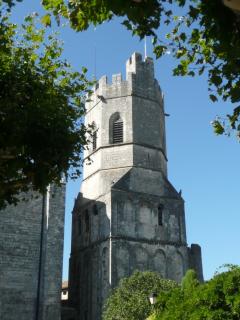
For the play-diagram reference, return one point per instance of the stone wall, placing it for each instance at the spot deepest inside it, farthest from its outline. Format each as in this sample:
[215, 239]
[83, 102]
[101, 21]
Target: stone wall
[20, 267]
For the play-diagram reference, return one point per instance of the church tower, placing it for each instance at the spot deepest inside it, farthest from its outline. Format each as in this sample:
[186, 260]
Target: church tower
[127, 216]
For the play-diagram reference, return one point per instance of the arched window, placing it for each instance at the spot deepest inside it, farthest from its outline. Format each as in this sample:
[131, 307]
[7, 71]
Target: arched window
[160, 215]
[115, 128]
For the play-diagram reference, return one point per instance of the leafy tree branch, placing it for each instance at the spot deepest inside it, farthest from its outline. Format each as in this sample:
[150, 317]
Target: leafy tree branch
[41, 105]
[207, 37]
[215, 299]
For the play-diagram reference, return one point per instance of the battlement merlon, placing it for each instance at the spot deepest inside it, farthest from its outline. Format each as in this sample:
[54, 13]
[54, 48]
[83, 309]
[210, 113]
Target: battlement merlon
[139, 81]
[135, 64]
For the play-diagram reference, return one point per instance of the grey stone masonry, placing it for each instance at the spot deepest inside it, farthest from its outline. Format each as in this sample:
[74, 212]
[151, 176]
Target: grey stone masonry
[127, 216]
[31, 251]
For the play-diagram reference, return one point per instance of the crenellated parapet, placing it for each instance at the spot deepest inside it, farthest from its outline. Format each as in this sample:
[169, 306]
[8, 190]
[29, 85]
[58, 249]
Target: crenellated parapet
[139, 81]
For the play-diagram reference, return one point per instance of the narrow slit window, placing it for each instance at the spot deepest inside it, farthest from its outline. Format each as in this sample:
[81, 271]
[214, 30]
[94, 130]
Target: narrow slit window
[118, 131]
[94, 140]
[160, 215]
[95, 210]
[87, 222]
[79, 225]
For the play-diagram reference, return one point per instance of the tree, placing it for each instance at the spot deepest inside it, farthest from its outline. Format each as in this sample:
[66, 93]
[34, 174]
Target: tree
[218, 298]
[41, 103]
[189, 281]
[129, 301]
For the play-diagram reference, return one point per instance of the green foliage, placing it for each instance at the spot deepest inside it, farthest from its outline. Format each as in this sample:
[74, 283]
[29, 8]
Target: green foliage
[41, 103]
[207, 39]
[216, 299]
[190, 281]
[143, 16]
[129, 301]
[9, 3]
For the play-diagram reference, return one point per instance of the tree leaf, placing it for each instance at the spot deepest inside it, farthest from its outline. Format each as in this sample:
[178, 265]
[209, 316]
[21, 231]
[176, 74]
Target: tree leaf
[213, 97]
[46, 20]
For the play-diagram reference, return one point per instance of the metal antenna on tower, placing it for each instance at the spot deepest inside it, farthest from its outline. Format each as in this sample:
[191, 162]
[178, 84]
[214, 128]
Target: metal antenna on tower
[145, 47]
[95, 60]
[95, 63]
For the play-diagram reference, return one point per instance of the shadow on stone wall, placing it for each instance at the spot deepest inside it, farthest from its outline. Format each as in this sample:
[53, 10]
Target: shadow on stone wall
[89, 261]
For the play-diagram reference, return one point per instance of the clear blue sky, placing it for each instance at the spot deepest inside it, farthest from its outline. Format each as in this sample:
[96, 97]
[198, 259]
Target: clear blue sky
[203, 165]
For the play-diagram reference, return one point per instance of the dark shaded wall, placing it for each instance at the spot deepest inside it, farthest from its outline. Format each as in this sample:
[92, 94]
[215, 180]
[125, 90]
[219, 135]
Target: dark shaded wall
[30, 278]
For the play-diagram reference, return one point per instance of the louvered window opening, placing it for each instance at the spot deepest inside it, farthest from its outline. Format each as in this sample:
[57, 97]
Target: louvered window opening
[94, 140]
[118, 132]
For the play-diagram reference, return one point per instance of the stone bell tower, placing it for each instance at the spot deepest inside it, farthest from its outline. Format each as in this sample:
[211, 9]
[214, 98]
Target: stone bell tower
[127, 216]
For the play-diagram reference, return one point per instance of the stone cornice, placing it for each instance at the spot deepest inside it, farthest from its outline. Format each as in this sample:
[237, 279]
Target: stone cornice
[133, 94]
[150, 241]
[124, 238]
[112, 145]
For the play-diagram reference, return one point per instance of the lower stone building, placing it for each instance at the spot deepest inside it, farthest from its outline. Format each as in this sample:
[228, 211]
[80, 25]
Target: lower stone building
[128, 216]
[31, 251]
